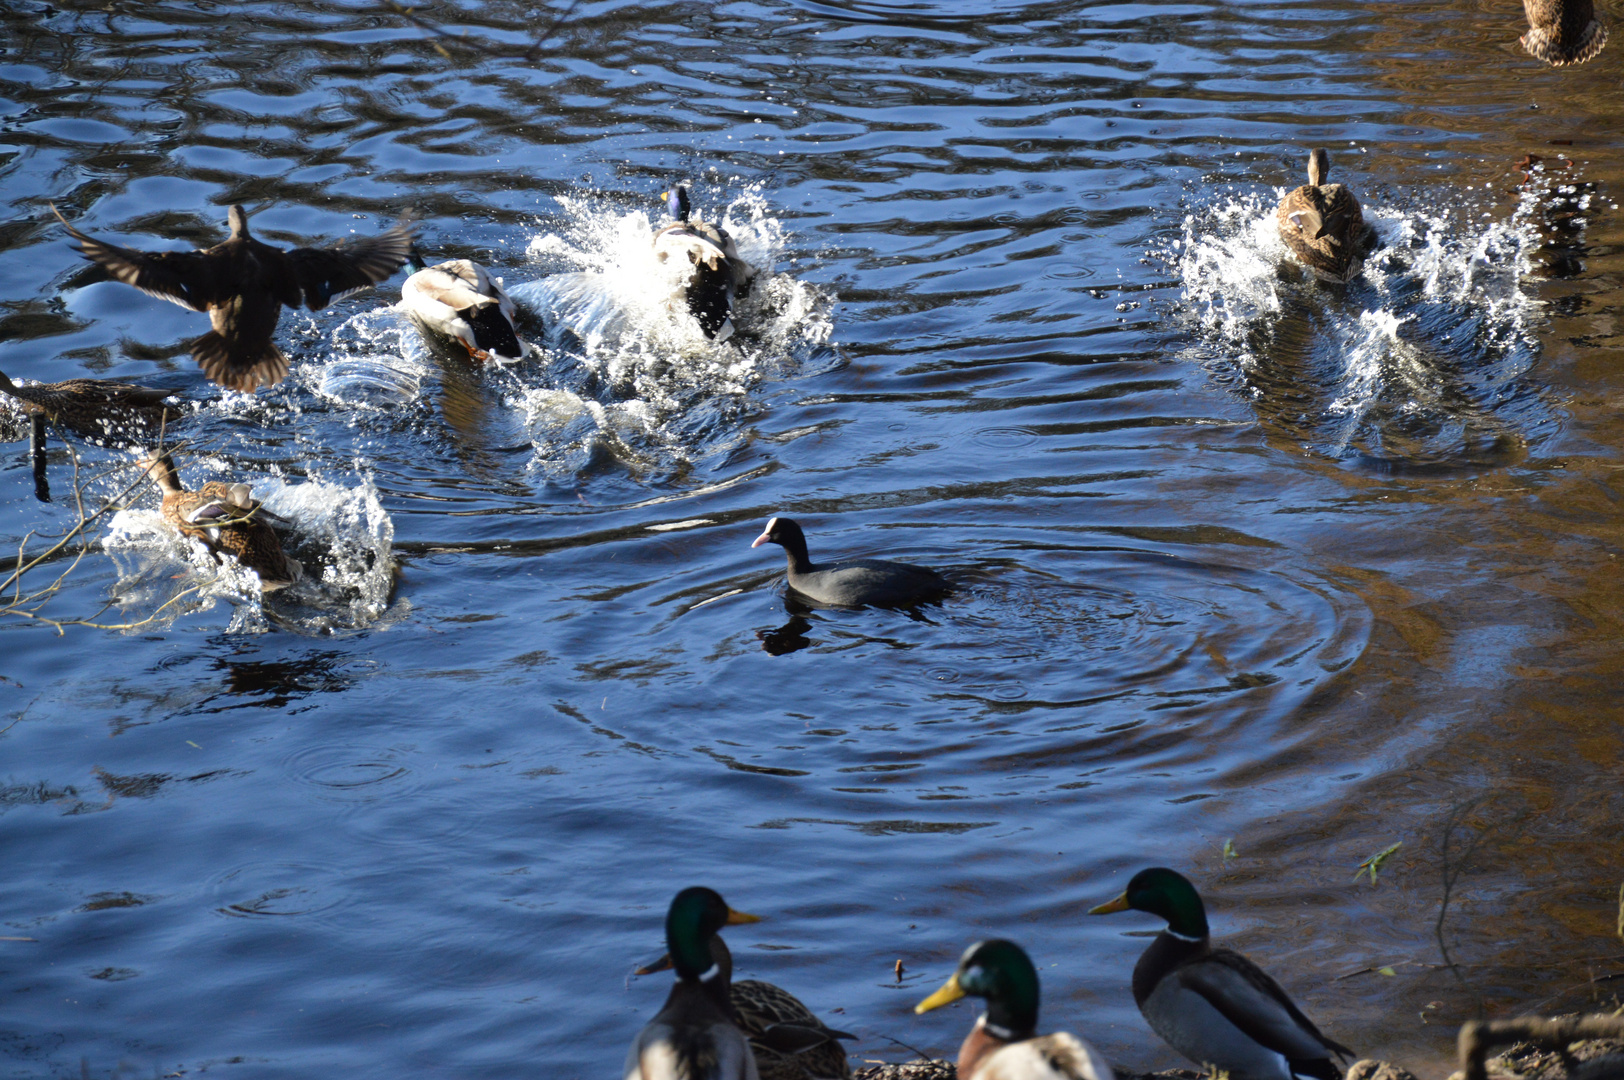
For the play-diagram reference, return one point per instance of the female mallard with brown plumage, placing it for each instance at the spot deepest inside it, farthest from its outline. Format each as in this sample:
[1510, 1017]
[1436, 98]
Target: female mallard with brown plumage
[225, 518]
[1323, 225]
[97, 408]
[1004, 1044]
[695, 1035]
[243, 284]
[1563, 32]
[787, 1040]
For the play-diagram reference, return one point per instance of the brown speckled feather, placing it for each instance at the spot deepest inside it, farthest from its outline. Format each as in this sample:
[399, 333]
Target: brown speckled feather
[225, 519]
[1324, 226]
[1563, 32]
[98, 408]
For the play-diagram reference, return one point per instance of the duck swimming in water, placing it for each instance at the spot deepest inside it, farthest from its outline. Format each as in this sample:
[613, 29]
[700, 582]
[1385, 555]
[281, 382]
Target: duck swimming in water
[1323, 224]
[463, 301]
[709, 271]
[227, 519]
[1563, 32]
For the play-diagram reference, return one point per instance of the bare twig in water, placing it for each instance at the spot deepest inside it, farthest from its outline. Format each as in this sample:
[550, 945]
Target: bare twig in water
[1453, 866]
[532, 54]
[28, 602]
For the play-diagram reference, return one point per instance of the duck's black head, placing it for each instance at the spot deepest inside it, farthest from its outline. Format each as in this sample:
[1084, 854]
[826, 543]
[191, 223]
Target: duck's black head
[694, 917]
[1164, 892]
[676, 200]
[415, 260]
[1002, 973]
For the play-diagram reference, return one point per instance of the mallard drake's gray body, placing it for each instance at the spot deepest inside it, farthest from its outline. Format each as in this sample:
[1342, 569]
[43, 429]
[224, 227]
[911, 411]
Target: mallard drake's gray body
[1004, 1043]
[98, 408]
[243, 285]
[1323, 224]
[714, 274]
[696, 1035]
[1563, 32]
[461, 300]
[1215, 1006]
[225, 518]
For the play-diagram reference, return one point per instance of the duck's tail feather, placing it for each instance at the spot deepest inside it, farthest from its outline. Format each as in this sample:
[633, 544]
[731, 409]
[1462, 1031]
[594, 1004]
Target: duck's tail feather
[493, 332]
[239, 365]
[1546, 43]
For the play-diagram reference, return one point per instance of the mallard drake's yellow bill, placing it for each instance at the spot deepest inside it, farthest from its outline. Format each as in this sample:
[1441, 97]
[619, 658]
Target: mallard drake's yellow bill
[950, 992]
[735, 918]
[1111, 907]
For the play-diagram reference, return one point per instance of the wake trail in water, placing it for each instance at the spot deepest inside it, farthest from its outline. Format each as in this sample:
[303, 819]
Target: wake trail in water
[1420, 361]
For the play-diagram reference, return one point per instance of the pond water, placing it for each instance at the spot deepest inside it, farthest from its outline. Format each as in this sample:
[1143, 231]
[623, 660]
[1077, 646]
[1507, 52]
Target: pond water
[1257, 577]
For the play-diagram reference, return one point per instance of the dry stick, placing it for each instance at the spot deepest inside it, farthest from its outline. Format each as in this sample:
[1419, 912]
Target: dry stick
[1478, 1037]
[533, 53]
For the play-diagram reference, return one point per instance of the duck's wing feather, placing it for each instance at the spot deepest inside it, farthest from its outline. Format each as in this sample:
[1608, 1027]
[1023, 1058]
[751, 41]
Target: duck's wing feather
[330, 273]
[1249, 998]
[181, 277]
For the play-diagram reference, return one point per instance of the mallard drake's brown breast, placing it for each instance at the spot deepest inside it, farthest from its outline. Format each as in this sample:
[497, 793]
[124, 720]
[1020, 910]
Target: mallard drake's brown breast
[1323, 224]
[243, 285]
[1004, 1043]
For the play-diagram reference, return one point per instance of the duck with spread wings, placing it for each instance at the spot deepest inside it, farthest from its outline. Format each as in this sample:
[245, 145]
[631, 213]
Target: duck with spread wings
[243, 284]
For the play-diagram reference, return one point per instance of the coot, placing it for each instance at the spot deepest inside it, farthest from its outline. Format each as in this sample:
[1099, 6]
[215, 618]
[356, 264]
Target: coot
[854, 582]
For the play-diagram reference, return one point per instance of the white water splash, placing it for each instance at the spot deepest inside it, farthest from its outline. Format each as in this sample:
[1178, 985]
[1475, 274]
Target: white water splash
[340, 533]
[1427, 342]
[632, 376]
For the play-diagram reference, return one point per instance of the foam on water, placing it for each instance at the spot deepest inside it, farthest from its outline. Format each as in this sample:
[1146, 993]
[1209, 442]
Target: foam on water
[629, 375]
[340, 533]
[1422, 356]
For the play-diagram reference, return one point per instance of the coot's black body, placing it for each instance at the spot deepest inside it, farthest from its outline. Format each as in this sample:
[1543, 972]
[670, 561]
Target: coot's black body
[852, 582]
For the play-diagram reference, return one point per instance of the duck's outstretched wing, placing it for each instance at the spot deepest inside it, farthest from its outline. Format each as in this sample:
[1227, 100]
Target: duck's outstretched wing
[181, 277]
[326, 274]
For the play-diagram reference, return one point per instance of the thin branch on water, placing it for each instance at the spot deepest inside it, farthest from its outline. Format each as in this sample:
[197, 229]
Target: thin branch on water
[1453, 867]
[513, 52]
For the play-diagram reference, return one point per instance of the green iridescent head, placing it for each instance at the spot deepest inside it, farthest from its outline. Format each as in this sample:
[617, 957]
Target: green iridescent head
[1167, 893]
[692, 920]
[1002, 973]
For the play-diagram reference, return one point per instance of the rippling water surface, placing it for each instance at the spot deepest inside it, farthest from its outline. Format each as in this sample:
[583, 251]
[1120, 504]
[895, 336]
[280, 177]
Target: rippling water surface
[1242, 558]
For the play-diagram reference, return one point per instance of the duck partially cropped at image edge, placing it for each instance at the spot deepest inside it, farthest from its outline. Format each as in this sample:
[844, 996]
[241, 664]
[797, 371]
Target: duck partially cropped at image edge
[1215, 1006]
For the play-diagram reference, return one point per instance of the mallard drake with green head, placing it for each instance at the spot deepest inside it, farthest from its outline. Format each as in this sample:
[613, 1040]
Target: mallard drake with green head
[243, 285]
[696, 1035]
[1563, 32]
[710, 272]
[97, 408]
[1215, 1006]
[1004, 1044]
[789, 1042]
[225, 518]
[1323, 224]
[461, 300]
